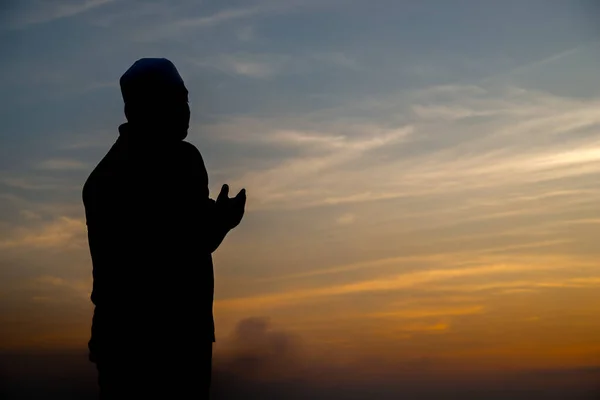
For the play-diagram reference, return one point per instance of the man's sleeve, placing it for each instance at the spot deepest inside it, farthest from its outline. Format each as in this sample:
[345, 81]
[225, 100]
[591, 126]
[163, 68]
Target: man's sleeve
[207, 223]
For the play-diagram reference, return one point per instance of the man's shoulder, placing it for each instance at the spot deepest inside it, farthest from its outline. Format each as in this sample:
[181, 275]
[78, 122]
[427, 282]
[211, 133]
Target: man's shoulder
[103, 171]
[190, 155]
[187, 149]
[189, 166]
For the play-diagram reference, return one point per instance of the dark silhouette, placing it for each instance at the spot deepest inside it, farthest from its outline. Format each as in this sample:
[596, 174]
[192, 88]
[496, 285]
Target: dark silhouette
[151, 229]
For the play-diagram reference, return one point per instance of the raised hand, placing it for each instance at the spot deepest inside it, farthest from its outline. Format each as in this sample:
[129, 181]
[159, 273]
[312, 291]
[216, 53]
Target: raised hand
[231, 209]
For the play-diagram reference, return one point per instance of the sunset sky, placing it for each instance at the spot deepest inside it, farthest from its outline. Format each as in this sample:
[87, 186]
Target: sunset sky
[423, 177]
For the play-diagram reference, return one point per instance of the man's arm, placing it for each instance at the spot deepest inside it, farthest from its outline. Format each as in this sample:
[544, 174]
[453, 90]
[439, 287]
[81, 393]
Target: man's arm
[217, 228]
[213, 217]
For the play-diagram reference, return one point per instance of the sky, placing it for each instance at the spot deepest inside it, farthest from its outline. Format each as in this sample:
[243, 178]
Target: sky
[421, 180]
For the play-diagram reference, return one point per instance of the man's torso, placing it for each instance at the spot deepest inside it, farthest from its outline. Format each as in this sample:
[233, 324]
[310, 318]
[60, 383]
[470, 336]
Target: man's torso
[153, 286]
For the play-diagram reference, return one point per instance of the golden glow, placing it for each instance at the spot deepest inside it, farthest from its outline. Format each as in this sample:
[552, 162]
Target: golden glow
[487, 260]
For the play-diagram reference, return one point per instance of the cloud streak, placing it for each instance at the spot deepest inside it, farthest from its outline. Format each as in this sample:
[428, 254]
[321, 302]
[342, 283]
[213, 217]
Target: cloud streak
[37, 12]
[182, 23]
[414, 279]
[220, 17]
[61, 164]
[62, 233]
[494, 139]
[275, 65]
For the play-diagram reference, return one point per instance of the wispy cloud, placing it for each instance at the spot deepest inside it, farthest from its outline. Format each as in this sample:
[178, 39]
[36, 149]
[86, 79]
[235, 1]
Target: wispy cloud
[522, 286]
[37, 12]
[221, 17]
[249, 65]
[462, 138]
[191, 19]
[339, 59]
[393, 282]
[179, 24]
[417, 313]
[269, 65]
[538, 64]
[246, 34]
[59, 164]
[346, 219]
[35, 183]
[61, 233]
[82, 288]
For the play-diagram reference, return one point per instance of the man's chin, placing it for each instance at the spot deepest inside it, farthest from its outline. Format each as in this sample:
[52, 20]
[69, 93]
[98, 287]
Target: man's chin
[182, 134]
[178, 132]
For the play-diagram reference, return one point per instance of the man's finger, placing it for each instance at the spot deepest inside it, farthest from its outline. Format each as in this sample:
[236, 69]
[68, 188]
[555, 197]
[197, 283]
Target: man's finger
[241, 197]
[224, 195]
[225, 190]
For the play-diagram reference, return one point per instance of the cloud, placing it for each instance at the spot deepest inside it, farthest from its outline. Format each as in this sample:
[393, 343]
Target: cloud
[538, 64]
[220, 17]
[246, 34]
[58, 234]
[522, 286]
[61, 164]
[338, 59]
[452, 140]
[429, 312]
[33, 183]
[29, 206]
[55, 288]
[271, 65]
[301, 177]
[412, 279]
[256, 351]
[249, 65]
[346, 219]
[449, 113]
[37, 12]
[181, 24]
[259, 361]
[449, 259]
[92, 140]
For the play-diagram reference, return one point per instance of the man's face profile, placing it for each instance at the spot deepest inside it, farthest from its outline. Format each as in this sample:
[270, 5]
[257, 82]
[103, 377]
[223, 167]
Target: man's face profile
[156, 97]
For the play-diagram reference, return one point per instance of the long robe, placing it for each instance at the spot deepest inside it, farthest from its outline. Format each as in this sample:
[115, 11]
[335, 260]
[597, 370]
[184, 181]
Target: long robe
[152, 229]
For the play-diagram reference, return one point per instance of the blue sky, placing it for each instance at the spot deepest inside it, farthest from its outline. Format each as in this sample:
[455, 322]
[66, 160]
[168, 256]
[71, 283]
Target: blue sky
[431, 166]
[63, 59]
[271, 59]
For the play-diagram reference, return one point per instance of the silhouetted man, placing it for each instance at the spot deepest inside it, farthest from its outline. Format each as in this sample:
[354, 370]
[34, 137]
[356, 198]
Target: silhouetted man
[151, 229]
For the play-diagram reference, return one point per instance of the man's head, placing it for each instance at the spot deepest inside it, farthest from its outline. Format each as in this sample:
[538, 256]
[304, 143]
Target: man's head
[156, 98]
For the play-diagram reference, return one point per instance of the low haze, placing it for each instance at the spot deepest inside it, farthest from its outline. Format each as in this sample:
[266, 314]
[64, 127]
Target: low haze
[423, 190]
